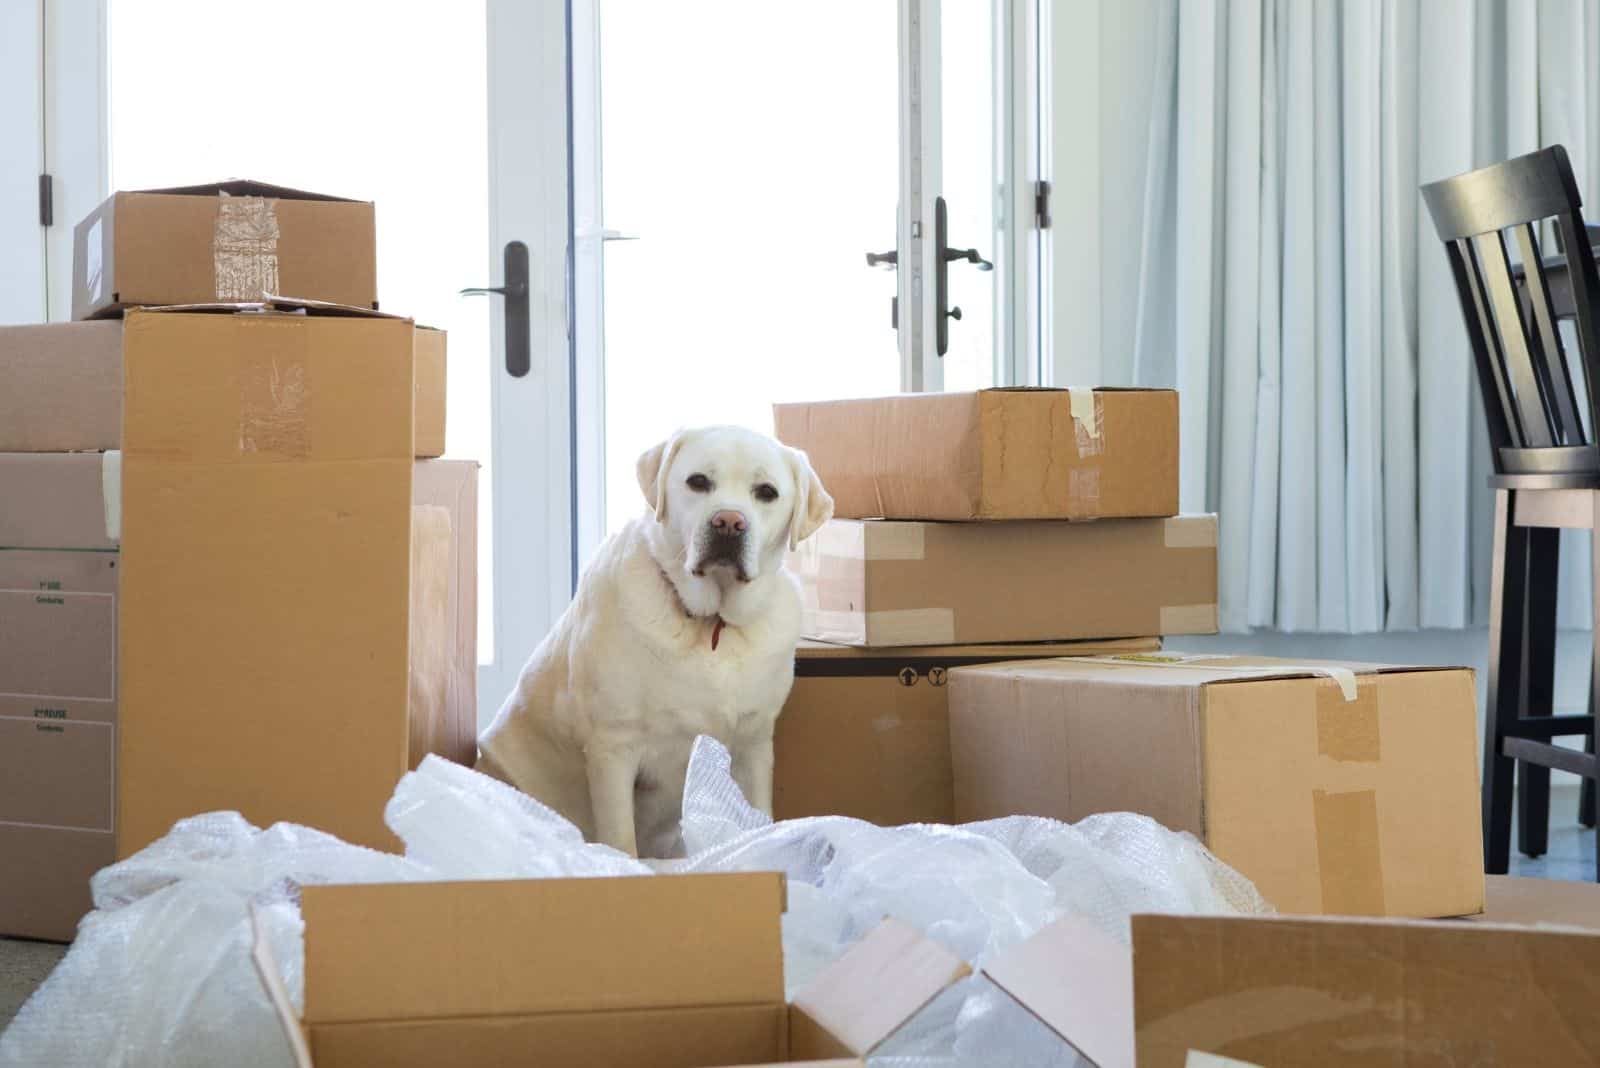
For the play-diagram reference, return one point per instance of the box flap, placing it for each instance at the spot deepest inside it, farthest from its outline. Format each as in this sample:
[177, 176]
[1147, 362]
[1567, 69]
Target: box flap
[1079, 982]
[877, 986]
[1205, 669]
[245, 187]
[276, 304]
[974, 654]
[1512, 900]
[418, 950]
[1075, 389]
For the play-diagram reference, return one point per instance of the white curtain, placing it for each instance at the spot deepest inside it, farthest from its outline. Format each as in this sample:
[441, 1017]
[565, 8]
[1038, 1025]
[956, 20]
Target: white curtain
[1291, 286]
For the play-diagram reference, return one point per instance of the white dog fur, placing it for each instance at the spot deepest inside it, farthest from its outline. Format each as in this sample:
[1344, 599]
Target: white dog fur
[674, 632]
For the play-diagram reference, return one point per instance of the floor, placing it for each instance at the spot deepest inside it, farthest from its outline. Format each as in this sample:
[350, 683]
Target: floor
[24, 965]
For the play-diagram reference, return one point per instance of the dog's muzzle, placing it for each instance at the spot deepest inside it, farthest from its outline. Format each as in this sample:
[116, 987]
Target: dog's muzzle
[716, 549]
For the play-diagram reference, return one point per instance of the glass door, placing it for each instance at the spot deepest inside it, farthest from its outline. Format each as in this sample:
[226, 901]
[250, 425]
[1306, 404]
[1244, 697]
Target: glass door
[433, 111]
[745, 160]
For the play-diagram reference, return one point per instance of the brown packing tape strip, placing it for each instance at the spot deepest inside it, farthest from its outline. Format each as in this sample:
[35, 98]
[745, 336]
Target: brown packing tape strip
[1349, 853]
[244, 247]
[1347, 730]
[275, 396]
[1349, 850]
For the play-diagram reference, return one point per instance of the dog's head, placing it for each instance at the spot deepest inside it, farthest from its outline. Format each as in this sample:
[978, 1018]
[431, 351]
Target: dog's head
[733, 499]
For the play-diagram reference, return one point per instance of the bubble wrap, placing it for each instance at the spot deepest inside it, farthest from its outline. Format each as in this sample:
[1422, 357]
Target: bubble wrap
[161, 970]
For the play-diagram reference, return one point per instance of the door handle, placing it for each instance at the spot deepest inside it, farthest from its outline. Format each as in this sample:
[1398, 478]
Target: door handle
[944, 255]
[519, 357]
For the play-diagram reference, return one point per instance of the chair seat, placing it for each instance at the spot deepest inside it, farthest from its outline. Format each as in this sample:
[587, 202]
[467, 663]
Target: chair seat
[1573, 480]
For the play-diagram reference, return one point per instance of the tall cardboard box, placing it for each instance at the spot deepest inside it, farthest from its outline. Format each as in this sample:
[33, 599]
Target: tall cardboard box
[227, 241]
[669, 971]
[994, 454]
[58, 694]
[1347, 789]
[866, 732]
[266, 623]
[891, 583]
[61, 387]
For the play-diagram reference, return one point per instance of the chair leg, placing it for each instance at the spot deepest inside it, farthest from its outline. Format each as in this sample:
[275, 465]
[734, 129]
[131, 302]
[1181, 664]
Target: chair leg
[1586, 793]
[1507, 632]
[1594, 651]
[1538, 690]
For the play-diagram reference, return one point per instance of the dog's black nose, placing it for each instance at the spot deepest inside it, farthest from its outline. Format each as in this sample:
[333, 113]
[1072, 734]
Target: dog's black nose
[729, 523]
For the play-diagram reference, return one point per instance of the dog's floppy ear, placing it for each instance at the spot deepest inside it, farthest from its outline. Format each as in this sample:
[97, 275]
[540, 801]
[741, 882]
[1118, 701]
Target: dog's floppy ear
[654, 468]
[812, 504]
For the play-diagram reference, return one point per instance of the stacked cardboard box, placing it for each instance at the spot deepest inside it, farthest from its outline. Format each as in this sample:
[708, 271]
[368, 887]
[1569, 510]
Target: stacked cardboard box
[1037, 516]
[958, 541]
[233, 574]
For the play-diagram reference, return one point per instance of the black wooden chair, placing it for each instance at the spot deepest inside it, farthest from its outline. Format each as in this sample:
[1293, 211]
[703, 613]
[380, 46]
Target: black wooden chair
[1543, 412]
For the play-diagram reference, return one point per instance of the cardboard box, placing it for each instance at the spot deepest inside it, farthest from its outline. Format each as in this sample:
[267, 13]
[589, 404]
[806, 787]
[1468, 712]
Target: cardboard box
[267, 549]
[670, 971]
[1337, 788]
[61, 388]
[226, 241]
[994, 454]
[58, 699]
[889, 583]
[866, 732]
[1305, 992]
[444, 610]
[431, 382]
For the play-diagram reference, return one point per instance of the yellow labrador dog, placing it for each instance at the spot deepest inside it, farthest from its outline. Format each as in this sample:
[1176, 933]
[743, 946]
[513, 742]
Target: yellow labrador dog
[685, 624]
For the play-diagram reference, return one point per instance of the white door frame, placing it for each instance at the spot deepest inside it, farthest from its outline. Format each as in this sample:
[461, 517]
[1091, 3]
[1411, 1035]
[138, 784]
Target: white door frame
[531, 458]
[22, 264]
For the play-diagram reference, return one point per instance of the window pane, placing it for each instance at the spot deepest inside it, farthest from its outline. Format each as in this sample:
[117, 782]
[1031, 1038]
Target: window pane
[753, 149]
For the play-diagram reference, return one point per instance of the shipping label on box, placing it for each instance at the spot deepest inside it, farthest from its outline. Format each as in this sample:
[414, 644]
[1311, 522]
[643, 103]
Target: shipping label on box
[1022, 453]
[1337, 788]
[228, 241]
[891, 583]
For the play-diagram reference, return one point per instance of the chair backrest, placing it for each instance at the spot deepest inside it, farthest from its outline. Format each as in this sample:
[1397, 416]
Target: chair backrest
[1530, 392]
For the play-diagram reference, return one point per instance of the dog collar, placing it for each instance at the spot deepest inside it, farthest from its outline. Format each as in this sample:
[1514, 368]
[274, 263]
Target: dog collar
[717, 622]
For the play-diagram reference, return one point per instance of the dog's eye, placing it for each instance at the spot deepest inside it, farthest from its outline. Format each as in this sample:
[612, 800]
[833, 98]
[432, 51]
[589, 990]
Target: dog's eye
[699, 483]
[766, 492]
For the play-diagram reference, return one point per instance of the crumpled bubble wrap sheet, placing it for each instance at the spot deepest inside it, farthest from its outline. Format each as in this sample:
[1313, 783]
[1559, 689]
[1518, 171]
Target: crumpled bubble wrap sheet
[161, 971]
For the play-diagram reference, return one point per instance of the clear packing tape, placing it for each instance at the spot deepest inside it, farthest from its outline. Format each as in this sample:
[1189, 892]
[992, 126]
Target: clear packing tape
[161, 972]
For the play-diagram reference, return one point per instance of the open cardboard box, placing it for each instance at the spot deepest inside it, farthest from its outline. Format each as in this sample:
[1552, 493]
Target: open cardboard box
[672, 971]
[1292, 991]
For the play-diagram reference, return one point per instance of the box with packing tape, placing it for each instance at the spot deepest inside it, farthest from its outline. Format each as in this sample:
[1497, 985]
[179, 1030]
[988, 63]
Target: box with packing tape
[61, 387]
[1514, 987]
[866, 732]
[59, 567]
[237, 240]
[669, 971]
[890, 582]
[1337, 788]
[1014, 453]
[276, 655]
